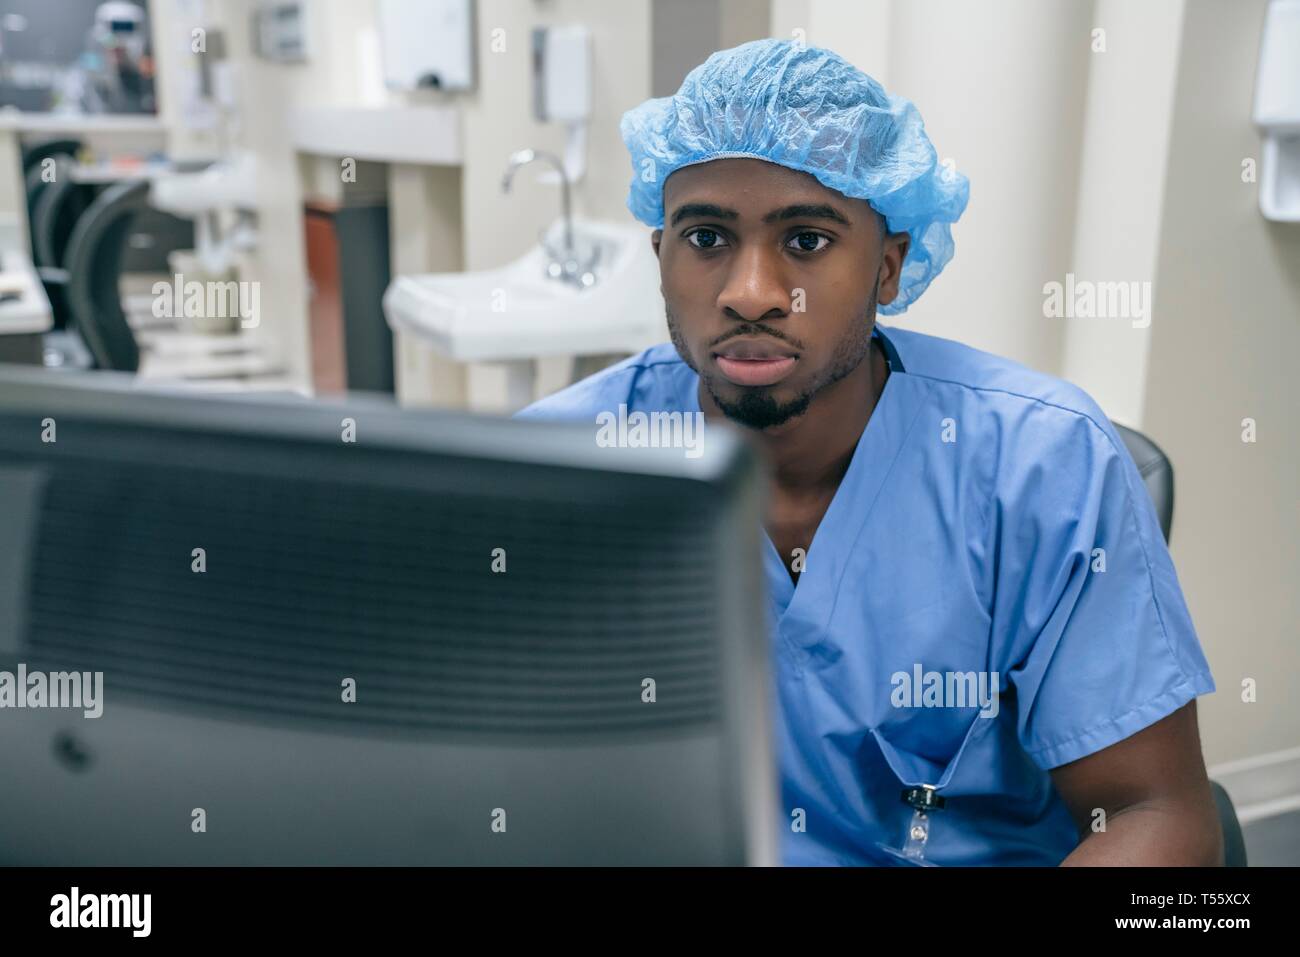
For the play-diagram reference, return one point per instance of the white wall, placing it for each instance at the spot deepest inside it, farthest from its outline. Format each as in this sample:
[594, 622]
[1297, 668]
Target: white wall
[1222, 348]
[1131, 88]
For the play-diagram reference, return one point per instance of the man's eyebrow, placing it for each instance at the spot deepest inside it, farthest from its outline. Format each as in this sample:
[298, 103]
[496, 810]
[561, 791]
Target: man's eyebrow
[807, 211]
[705, 210]
[798, 211]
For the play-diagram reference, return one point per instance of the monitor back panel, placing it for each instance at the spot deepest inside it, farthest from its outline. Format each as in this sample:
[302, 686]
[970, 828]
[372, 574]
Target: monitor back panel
[318, 653]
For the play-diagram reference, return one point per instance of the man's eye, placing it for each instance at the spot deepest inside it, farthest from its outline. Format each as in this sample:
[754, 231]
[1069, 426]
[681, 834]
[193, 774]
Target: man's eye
[809, 242]
[707, 239]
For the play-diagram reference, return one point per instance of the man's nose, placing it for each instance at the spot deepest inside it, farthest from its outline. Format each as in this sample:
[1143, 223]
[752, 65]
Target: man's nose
[754, 287]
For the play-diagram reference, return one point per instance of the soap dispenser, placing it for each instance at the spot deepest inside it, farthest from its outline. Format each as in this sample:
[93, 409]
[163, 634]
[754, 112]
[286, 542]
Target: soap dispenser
[1277, 112]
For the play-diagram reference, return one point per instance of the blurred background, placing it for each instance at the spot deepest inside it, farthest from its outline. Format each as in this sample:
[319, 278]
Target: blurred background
[425, 199]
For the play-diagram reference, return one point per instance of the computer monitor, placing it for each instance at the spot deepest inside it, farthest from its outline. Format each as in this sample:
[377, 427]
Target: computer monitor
[436, 639]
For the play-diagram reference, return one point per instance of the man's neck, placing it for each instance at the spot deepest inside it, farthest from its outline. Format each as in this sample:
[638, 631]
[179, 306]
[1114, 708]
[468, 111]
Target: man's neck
[811, 453]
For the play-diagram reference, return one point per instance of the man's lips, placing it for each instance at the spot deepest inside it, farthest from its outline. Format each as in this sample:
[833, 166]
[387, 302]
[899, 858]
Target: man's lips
[755, 362]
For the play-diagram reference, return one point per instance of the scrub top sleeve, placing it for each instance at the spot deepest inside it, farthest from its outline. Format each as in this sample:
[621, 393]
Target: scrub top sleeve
[1101, 644]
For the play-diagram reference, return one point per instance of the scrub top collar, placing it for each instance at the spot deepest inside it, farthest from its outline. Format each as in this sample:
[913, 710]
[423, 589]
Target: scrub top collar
[804, 612]
[801, 612]
[891, 351]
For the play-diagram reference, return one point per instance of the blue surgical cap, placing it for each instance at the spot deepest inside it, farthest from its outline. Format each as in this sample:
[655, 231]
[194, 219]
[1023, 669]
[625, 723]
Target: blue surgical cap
[811, 110]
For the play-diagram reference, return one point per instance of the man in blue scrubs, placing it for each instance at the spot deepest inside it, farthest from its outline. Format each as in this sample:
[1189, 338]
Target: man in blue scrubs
[982, 653]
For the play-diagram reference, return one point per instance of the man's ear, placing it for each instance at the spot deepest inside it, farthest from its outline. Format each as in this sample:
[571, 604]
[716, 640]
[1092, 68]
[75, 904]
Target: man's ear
[896, 246]
[655, 236]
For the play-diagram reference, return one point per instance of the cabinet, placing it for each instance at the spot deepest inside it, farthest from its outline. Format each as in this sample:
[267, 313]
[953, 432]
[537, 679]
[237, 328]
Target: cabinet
[348, 271]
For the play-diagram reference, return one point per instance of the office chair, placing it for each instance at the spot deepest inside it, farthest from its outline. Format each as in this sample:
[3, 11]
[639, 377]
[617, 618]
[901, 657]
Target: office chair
[97, 253]
[53, 209]
[35, 154]
[93, 266]
[36, 182]
[1158, 475]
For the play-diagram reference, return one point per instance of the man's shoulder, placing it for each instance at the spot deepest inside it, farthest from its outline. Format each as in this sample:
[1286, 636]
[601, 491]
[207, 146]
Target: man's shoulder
[655, 376]
[958, 372]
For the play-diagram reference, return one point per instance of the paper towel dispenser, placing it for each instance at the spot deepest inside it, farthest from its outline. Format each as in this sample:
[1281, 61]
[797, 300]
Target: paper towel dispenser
[427, 44]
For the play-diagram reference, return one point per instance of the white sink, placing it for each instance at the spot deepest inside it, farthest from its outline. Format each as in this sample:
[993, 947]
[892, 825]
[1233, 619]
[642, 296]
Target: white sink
[517, 313]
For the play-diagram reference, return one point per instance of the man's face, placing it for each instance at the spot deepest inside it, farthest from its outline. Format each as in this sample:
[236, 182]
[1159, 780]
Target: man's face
[771, 282]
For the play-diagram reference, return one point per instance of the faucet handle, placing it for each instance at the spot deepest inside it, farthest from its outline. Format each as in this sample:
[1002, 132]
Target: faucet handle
[577, 266]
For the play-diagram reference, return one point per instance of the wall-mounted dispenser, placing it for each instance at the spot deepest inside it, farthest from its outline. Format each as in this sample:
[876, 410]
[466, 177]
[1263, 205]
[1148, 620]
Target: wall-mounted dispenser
[427, 44]
[562, 89]
[1277, 112]
[280, 30]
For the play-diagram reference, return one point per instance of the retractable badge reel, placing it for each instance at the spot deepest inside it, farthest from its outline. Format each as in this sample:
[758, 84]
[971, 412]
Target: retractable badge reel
[924, 802]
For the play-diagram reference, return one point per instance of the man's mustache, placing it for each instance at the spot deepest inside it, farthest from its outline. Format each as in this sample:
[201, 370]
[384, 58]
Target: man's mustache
[751, 329]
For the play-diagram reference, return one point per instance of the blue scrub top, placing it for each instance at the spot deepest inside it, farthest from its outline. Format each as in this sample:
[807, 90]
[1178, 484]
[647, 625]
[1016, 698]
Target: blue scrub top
[964, 538]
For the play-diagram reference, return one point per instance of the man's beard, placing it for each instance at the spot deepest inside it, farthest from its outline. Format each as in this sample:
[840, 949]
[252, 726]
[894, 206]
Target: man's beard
[757, 408]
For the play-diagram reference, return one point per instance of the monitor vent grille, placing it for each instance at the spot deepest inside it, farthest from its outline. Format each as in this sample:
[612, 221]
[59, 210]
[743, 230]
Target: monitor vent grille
[391, 587]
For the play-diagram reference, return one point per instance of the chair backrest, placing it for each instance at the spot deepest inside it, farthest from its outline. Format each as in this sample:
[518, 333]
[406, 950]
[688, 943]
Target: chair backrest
[1157, 473]
[37, 153]
[55, 208]
[36, 178]
[1234, 841]
[94, 263]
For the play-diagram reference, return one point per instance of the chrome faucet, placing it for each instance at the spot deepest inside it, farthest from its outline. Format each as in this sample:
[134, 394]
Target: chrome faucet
[566, 265]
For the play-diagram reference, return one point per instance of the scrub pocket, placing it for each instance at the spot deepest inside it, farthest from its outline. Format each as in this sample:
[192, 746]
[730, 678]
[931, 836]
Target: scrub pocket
[914, 770]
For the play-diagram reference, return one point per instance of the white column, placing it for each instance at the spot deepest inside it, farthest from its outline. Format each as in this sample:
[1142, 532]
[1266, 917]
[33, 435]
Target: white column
[1131, 88]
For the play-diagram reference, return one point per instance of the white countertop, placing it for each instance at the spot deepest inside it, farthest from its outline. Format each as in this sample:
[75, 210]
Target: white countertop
[394, 134]
[31, 312]
[21, 122]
